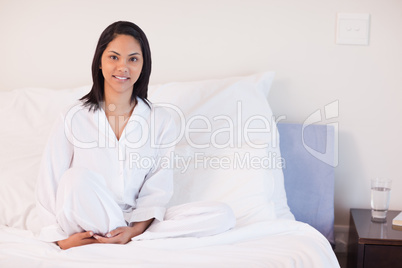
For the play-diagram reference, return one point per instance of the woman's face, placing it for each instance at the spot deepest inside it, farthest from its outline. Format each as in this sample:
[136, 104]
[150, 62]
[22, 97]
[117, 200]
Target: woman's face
[121, 64]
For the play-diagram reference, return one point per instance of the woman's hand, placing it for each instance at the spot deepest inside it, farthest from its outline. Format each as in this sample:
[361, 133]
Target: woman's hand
[77, 239]
[123, 235]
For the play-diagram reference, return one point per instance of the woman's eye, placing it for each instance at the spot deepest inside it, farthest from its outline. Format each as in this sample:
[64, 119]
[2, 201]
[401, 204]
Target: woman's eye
[133, 59]
[113, 57]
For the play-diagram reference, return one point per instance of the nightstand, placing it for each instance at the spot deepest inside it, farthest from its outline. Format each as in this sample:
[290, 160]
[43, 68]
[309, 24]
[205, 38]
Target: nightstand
[373, 244]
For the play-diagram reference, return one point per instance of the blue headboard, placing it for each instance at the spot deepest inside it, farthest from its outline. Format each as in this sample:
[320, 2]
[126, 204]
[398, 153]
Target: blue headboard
[309, 174]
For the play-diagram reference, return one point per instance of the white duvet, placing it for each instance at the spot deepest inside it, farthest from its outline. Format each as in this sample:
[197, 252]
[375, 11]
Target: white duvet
[278, 243]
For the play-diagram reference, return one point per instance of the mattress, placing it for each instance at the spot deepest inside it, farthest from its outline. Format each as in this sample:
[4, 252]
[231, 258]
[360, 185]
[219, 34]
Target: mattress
[279, 243]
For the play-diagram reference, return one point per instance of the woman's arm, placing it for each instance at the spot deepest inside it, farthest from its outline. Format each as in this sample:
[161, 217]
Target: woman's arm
[123, 235]
[157, 187]
[77, 239]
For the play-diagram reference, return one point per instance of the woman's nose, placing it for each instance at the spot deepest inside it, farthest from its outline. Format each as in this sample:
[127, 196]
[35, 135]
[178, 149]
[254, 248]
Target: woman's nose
[122, 67]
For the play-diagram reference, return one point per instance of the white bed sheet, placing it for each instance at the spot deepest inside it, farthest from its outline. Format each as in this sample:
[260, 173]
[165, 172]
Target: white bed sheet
[279, 243]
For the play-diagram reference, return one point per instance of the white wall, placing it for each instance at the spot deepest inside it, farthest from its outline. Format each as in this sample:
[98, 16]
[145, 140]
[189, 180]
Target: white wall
[51, 43]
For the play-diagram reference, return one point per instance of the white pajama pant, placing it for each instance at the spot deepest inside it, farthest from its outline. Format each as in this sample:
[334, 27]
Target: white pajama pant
[84, 203]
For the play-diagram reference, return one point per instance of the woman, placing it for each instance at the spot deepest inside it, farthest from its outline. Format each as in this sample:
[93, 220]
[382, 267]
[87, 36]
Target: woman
[88, 190]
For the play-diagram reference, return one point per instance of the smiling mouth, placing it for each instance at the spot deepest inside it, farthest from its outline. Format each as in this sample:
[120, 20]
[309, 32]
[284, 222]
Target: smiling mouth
[120, 77]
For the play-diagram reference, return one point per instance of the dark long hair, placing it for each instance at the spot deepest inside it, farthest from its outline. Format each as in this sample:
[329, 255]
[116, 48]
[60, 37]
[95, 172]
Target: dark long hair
[97, 93]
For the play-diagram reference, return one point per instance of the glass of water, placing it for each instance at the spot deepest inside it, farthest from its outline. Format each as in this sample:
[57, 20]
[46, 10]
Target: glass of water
[380, 196]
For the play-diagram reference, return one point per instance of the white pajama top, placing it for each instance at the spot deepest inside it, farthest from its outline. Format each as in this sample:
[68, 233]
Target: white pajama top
[136, 167]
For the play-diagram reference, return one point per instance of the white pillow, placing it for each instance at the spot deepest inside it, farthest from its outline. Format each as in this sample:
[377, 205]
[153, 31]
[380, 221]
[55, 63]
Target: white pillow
[222, 111]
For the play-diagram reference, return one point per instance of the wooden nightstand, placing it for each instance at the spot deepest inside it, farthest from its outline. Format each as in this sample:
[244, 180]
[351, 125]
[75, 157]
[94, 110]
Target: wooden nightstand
[373, 244]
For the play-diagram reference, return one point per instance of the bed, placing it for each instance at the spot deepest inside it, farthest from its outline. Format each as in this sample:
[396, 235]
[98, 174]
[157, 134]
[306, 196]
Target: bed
[281, 194]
